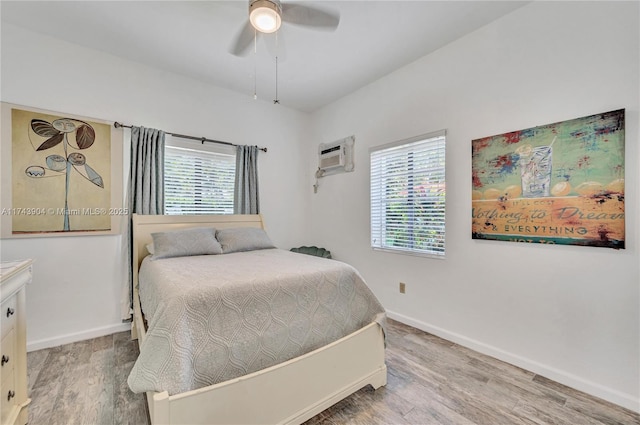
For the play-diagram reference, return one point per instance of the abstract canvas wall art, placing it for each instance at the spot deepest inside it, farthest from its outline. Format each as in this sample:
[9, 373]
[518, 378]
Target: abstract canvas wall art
[560, 183]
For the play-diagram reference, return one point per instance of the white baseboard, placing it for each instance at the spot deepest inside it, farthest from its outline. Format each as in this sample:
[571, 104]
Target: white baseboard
[563, 377]
[75, 337]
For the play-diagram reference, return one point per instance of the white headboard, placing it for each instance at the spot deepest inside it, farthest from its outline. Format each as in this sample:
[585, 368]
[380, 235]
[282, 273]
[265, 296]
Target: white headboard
[145, 225]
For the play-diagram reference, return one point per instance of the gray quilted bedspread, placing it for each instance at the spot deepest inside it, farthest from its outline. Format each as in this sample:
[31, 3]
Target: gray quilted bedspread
[212, 318]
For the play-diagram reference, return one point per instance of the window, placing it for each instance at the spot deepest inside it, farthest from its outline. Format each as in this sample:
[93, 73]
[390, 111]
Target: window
[198, 181]
[408, 196]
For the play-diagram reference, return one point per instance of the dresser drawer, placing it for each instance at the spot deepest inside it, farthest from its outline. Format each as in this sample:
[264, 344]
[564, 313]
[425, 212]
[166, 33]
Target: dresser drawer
[8, 354]
[7, 403]
[14, 275]
[8, 315]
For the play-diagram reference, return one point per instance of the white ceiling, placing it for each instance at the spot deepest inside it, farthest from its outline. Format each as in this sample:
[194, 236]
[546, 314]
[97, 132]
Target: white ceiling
[193, 38]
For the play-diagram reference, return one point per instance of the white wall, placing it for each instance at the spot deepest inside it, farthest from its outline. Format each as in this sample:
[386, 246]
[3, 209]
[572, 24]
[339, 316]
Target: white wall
[76, 286]
[569, 313]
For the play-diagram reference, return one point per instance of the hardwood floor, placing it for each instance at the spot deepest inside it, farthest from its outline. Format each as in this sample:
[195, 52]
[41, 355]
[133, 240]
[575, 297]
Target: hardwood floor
[85, 383]
[430, 381]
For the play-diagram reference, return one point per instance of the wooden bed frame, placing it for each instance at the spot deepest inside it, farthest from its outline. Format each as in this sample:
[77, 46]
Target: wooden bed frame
[287, 393]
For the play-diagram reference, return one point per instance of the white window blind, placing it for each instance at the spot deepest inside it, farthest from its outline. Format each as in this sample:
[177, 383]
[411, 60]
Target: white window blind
[408, 195]
[198, 181]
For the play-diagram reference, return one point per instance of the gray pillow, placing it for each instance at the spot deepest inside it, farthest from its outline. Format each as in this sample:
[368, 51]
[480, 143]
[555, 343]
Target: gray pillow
[243, 239]
[185, 242]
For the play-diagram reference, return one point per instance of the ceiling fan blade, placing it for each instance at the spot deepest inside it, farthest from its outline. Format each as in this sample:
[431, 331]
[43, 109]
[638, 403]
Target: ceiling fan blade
[298, 14]
[243, 40]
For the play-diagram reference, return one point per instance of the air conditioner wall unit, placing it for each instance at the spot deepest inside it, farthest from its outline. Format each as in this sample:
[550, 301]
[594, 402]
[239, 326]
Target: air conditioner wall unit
[336, 156]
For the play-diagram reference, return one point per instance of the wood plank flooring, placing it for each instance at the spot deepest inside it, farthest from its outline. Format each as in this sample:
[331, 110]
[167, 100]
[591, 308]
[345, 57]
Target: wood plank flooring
[85, 383]
[430, 381]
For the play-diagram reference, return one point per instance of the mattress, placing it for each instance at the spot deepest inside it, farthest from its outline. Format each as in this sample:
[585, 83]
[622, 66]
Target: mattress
[212, 318]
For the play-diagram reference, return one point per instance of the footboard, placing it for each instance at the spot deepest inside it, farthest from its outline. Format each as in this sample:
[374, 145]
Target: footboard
[289, 393]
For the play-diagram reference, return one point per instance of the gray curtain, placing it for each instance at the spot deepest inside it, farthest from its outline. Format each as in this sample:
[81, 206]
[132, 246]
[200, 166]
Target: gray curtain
[145, 194]
[247, 197]
[146, 184]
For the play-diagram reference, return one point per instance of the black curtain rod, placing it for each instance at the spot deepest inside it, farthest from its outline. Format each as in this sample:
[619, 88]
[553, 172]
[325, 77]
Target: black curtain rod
[182, 136]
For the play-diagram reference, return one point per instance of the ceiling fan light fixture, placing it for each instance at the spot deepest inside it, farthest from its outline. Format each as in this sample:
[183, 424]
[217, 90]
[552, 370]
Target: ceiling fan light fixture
[265, 15]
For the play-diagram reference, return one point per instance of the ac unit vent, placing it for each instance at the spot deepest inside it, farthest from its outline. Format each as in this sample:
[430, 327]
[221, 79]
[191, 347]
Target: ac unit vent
[330, 161]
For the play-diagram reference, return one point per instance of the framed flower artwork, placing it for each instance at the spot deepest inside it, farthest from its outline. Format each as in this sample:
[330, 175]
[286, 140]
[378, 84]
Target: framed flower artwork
[61, 174]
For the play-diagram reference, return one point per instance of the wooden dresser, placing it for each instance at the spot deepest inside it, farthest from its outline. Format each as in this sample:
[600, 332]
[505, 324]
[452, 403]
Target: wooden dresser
[14, 276]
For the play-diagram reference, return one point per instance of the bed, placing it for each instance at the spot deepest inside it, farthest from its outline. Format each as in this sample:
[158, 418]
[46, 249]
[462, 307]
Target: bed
[288, 392]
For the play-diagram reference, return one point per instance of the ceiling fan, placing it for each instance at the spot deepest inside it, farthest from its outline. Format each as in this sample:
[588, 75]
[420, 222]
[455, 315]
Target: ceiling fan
[266, 16]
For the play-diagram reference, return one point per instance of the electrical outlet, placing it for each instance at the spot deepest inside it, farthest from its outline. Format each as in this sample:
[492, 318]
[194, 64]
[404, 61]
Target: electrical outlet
[402, 288]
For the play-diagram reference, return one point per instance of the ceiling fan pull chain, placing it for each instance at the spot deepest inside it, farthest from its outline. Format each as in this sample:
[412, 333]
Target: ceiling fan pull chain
[276, 101]
[255, 64]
